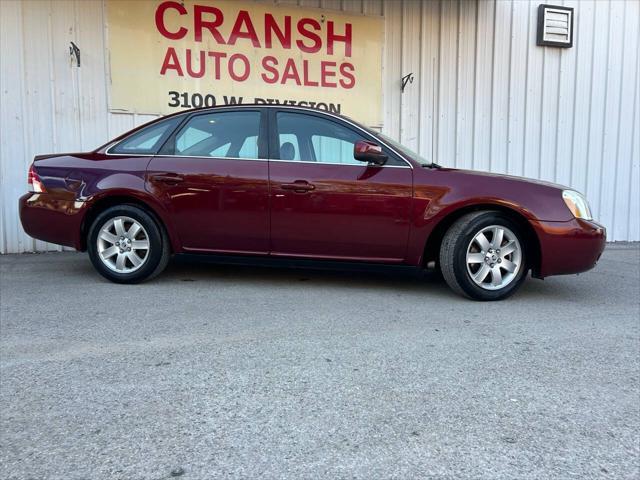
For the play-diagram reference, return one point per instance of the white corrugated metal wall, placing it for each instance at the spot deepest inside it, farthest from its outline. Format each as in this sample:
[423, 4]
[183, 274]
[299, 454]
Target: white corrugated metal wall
[500, 102]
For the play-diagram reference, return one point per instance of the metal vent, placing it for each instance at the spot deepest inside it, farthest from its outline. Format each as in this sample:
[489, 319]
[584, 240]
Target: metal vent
[555, 26]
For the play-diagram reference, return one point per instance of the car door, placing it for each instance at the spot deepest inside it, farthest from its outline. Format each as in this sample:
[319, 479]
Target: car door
[212, 177]
[326, 204]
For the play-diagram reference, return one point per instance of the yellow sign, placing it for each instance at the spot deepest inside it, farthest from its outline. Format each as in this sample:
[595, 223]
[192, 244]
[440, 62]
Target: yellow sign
[172, 55]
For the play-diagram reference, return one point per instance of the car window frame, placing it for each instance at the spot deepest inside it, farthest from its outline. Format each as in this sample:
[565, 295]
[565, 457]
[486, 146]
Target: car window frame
[268, 146]
[168, 147]
[274, 140]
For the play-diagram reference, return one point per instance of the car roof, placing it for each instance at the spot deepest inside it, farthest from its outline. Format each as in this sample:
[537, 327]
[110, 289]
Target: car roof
[264, 105]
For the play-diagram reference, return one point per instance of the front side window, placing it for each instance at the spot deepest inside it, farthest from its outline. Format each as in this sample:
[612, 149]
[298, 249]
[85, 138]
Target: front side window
[289, 147]
[148, 140]
[337, 148]
[310, 138]
[313, 139]
[220, 135]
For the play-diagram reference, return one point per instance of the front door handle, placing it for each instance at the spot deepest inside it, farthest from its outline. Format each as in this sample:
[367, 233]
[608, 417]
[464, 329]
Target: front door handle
[168, 178]
[299, 186]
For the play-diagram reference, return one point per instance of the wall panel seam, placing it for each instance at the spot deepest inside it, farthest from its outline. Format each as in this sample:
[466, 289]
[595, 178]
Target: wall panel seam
[604, 109]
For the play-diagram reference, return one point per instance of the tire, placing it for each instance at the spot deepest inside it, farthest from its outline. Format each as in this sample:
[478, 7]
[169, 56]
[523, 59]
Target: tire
[116, 262]
[465, 255]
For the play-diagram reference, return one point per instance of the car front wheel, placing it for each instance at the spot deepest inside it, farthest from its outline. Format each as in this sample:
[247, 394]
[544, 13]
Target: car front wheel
[482, 256]
[126, 245]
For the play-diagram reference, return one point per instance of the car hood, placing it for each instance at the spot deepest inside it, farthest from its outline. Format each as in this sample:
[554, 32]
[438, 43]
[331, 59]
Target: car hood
[449, 188]
[511, 178]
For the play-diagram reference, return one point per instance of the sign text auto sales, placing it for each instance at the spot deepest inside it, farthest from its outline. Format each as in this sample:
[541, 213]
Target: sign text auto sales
[305, 35]
[168, 54]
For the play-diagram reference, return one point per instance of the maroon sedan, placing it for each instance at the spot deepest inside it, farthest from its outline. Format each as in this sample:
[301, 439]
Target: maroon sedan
[257, 181]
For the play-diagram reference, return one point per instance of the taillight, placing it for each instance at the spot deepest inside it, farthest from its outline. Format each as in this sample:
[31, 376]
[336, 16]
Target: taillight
[34, 182]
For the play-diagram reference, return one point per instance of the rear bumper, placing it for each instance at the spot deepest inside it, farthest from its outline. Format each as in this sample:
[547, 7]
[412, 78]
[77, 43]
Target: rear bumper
[46, 217]
[569, 247]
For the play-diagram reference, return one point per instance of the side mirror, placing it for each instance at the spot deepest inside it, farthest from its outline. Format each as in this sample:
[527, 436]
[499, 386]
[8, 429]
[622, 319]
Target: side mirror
[369, 152]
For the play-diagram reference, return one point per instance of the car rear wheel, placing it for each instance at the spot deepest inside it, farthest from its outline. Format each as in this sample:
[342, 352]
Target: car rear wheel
[126, 245]
[482, 256]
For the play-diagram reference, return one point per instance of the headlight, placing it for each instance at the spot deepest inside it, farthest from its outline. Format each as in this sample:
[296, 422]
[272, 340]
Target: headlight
[577, 204]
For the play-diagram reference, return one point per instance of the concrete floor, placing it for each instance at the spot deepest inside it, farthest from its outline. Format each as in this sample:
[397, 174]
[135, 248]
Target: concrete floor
[217, 371]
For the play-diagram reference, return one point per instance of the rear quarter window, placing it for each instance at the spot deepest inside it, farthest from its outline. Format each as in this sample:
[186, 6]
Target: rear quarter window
[148, 140]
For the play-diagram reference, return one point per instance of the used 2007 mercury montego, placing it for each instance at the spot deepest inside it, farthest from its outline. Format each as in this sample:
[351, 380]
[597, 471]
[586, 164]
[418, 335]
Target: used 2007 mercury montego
[256, 181]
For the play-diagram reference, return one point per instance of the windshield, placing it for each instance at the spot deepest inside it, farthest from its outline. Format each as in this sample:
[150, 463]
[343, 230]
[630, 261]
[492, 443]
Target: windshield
[402, 149]
[407, 152]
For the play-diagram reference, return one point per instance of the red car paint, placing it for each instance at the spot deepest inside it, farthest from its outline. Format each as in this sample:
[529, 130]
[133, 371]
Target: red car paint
[370, 213]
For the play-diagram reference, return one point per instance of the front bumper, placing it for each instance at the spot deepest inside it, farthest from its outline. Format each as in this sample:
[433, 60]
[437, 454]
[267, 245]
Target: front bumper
[48, 217]
[569, 247]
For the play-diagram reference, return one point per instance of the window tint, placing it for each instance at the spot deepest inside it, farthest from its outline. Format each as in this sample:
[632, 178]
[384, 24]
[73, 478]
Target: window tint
[341, 151]
[249, 148]
[314, 139]
[149, 139]
[289, 148]
[222, 134]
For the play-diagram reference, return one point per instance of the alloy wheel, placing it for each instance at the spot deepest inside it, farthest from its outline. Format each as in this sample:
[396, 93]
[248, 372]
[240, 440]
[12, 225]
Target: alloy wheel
[494, 257]
[123, 244]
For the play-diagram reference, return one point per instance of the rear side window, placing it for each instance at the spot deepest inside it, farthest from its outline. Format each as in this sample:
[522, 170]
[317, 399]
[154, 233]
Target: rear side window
[148, 140]
[220, 135]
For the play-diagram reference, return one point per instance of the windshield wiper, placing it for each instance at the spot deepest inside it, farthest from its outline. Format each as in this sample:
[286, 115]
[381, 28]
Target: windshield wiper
[430, 165]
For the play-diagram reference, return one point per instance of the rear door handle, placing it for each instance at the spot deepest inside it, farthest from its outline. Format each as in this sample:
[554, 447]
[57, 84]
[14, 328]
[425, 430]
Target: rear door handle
[299, 186]
[169, 178]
